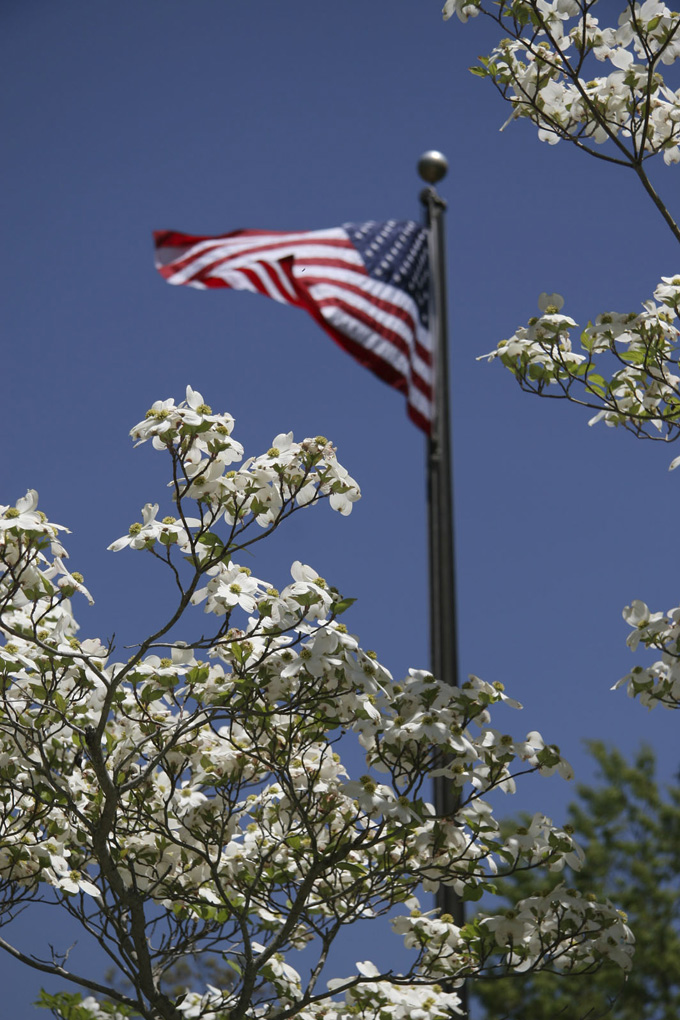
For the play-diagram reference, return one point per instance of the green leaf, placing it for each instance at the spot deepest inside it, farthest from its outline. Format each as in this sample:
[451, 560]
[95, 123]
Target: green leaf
[306, 599]
[340, 607]
[150, 694]
[210, 539]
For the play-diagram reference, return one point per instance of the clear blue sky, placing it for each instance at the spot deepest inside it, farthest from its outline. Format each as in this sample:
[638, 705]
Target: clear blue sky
[121, 118]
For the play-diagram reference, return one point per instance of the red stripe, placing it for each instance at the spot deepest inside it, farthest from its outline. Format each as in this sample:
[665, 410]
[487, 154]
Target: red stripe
[176, 239]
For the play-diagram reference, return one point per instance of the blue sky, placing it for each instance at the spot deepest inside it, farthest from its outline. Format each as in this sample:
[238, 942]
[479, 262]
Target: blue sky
[121, 118]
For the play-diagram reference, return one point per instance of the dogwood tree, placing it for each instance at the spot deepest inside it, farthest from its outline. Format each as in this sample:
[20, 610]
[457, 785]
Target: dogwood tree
[191, 799]
[622, 366]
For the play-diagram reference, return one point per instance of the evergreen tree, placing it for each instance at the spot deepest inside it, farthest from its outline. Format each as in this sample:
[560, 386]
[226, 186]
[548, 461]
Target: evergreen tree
[630, 831]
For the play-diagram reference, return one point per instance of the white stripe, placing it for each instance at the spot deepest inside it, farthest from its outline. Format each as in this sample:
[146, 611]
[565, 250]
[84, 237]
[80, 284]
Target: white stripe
[421, 403]
[300, 252]
[302, 270]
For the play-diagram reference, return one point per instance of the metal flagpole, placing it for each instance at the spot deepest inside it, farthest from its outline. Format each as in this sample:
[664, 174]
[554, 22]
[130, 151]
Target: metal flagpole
[432, 167]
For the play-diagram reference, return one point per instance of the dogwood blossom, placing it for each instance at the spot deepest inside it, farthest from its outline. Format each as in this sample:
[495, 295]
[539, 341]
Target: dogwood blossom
[192, 797]
[659, 682]
[628, 372]
[546, 67]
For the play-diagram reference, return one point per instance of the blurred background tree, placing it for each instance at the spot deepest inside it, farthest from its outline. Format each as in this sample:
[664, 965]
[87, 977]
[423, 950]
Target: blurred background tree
[630, 831]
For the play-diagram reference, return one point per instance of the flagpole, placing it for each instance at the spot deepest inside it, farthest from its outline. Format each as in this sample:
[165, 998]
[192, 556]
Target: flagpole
[432, 167]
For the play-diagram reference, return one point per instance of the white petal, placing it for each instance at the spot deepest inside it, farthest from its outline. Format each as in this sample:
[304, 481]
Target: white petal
[27, 502]
[119, 544]
[546, 300]
[149, 511]
[194, 398]
[621, 58]
[301, 572]
[88, 887]
[368, 969]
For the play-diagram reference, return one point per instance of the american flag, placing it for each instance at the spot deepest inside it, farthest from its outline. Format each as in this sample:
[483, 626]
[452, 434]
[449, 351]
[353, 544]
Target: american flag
[366, 284]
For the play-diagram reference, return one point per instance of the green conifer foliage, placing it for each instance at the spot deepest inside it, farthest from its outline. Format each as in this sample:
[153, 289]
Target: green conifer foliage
[630, 830]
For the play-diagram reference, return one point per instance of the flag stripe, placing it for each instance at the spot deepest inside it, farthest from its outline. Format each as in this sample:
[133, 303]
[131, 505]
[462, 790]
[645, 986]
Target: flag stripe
[365, 284]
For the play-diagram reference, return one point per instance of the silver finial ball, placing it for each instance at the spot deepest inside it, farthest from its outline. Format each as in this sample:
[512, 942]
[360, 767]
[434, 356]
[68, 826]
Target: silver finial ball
[432, 166]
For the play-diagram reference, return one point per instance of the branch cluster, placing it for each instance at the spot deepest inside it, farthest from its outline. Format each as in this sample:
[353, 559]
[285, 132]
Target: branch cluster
[195, 801]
